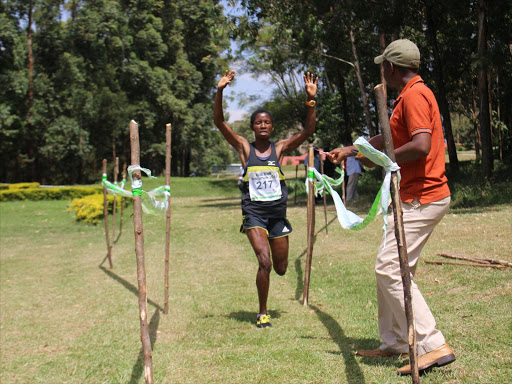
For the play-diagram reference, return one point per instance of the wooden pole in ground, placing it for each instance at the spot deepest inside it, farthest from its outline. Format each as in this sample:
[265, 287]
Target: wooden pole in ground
[342, 167]
[105, 215]
[168, 129]
[311, 225]
[116, 173]
[399, 232]
[139, 252]
[296, 183]
[325, 195]
[122, 202]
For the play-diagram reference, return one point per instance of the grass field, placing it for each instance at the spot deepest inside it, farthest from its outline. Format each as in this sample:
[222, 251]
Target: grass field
[67, 319]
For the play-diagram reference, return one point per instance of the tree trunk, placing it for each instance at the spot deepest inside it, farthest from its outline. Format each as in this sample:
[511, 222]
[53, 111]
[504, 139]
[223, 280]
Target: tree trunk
[441, 92]
[484, 117]
[498, 110]
[474, 115]
[30, 101]
[345, 136]
[364, 97]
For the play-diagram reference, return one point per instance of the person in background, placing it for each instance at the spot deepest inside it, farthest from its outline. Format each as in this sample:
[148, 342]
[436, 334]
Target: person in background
[353, 170]
[417, 135]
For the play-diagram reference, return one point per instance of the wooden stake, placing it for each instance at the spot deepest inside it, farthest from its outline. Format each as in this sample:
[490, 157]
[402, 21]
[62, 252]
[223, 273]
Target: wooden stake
[168, 129]
[296, 183]
[325, 197]
[139, 252]
[311, 226]
[343, 184]
[399, 232]
[105, 215]
[116, 173]
[122, 203]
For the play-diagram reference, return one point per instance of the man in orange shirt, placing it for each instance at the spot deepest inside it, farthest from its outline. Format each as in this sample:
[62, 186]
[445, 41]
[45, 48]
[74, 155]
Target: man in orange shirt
[419, 150]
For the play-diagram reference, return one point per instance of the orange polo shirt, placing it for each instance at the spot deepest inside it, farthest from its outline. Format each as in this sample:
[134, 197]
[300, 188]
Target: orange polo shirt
[416, 111]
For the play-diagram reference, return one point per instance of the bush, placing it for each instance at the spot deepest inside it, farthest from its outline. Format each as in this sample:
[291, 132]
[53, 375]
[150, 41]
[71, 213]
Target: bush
[22, 186]
[51, 193]
[90, 208]
[470, 189]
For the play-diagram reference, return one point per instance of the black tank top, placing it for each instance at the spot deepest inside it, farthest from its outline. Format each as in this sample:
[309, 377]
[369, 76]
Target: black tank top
[271, 209]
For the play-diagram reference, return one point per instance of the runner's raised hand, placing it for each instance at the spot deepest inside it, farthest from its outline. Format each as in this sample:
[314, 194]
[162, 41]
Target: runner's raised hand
[311, 83]
[226, 79]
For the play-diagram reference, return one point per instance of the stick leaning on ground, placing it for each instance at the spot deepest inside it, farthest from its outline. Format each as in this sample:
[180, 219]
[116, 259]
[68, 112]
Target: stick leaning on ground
[399, 232]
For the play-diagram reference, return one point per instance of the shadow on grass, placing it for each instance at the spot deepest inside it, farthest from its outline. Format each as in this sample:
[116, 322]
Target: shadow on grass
[250, 317]
[345, 345]
[138, 368]
[128, 286]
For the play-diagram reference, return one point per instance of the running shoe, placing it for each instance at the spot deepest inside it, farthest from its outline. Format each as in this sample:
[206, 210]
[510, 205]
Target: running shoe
[263, 321]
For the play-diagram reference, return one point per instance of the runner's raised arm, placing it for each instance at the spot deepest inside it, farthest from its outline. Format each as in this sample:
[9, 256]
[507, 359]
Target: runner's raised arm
[238, 142]
[287, 145]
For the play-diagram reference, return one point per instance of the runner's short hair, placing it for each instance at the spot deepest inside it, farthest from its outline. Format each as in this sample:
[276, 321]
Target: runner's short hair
[258, 111]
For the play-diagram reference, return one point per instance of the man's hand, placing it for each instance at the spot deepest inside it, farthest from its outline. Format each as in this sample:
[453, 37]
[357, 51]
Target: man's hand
[336, 156]
[311, 83]
[226, 79]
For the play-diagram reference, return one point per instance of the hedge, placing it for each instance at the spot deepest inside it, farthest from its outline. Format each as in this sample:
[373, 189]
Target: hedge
[47, 193]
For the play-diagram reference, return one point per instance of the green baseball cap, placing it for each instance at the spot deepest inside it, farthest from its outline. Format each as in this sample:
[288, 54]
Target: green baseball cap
[403, 53]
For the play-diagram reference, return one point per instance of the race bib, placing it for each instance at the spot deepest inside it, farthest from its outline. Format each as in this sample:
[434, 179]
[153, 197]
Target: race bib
[264, 185]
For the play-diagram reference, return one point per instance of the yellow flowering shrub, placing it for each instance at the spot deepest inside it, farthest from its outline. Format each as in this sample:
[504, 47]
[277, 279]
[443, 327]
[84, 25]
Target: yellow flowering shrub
[90, 208]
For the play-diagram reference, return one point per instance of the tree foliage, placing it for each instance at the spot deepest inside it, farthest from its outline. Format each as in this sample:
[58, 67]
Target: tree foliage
[97, 65]
[317, 34]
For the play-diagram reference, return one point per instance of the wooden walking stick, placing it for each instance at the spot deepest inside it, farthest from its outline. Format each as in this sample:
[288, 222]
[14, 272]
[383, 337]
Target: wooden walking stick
[342, 166]
[296, 183]
[105, 215]
[139, 252]
[311, 224]
[325, 197]
[116, 172]
[168, 129]
[399, 232]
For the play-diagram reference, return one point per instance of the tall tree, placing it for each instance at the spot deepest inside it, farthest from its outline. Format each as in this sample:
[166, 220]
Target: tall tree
[483, 93]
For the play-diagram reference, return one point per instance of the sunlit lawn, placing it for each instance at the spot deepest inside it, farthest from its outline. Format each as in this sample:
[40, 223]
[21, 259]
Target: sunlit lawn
[67, 319]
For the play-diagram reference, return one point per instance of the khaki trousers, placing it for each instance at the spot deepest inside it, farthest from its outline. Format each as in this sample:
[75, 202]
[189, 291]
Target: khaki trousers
[419, 222]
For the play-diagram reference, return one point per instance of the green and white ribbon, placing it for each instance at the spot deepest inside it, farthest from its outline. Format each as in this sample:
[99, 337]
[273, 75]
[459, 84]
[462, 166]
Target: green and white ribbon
[348, 219]
[325, 182]
[113, 188]
[158, 196]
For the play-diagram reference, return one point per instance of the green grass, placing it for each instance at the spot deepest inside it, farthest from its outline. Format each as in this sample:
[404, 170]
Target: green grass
[66, 319]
